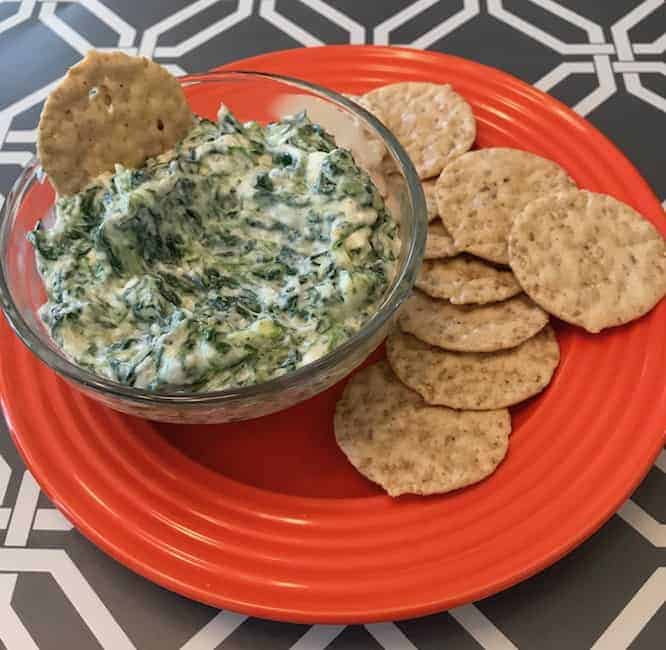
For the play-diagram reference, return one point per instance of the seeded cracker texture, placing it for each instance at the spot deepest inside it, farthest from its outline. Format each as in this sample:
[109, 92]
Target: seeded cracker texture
[481, 193]
[373, 143]
[365, 103]
[464, 279]
[439, 243]
[474, 380]
[431, 199]
[394, 439]
[432, 122]
[110, 108]
[588, 259]
[472, 328]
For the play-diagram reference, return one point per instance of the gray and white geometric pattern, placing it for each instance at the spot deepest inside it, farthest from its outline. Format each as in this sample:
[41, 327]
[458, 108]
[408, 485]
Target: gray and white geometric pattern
[605, 58]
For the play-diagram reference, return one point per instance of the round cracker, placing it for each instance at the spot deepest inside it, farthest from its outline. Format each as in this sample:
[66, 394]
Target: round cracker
[374, 149]
[464, 279]
[481, 193]
[378, 387]
[432, 122]
[407, 446]
[472, 328]
[439, 243]
[110, 108]
[365, 103]
[588, 258]
[474, 380]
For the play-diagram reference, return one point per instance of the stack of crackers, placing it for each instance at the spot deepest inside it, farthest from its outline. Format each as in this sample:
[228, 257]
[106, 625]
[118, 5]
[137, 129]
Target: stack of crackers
[511, 240]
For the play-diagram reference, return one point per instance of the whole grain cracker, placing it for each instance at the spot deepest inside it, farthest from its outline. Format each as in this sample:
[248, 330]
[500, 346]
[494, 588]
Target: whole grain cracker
[431, 198]
[474, 380]
[480, 194]
[378, 387]
[439, 243]
[432, 122]
[588, 259]
[388, 166]
[464, 279]
[472, 328]
[376, 150]
[365, 103]
[394, 439]
[110, 108]
[395, 191]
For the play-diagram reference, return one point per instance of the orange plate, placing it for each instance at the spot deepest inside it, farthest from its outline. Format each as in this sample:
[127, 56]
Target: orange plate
[268, 518]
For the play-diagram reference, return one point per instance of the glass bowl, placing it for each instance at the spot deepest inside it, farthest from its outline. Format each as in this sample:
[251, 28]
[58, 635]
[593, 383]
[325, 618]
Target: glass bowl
[251, 96]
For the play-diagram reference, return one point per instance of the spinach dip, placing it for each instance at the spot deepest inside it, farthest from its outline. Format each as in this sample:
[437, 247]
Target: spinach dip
[245, 252]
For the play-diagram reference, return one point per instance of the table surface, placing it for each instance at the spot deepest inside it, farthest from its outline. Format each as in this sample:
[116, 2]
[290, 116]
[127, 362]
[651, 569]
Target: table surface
[605, 58]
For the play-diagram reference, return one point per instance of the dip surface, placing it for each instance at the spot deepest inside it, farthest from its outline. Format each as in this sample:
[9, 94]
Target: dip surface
[244, 253]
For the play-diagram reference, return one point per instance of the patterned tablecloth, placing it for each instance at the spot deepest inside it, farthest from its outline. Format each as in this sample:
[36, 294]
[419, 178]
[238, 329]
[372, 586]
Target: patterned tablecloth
[605, 58]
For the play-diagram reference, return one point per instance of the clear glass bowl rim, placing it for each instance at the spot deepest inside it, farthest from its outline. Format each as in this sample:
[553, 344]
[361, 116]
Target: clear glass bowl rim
[402, 284]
